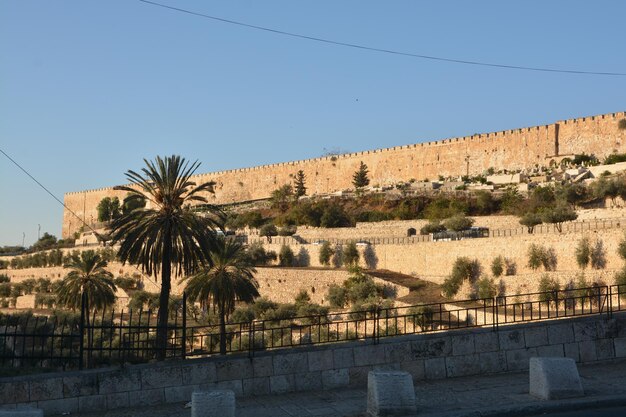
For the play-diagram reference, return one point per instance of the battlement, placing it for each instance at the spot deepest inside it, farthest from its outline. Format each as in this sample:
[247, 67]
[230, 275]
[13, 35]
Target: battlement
[520, 148]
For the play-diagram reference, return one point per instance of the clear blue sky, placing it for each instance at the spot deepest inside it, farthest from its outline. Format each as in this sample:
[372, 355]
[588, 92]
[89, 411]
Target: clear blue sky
[89, 88]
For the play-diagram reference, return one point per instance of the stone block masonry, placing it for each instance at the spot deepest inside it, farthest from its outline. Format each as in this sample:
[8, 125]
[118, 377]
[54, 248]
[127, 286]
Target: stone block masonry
[510, 149]
[425, 357]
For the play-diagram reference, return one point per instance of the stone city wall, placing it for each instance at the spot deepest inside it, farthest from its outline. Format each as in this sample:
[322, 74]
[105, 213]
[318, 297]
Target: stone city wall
[510, 149]
[426, 357]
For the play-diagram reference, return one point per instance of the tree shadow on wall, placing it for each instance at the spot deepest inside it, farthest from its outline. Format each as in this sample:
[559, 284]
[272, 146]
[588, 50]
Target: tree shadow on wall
[369, 255]
[303, 258]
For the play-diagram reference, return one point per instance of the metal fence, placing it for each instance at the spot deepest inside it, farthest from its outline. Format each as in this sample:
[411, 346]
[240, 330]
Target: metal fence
[90, 340]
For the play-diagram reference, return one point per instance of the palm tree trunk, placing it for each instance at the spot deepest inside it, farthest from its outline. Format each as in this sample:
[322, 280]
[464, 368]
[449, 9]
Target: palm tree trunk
[164, 298]
[222, 330]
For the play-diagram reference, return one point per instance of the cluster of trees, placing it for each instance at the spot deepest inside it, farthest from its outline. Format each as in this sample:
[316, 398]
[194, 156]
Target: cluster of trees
[54, 257]
[110, 208]
[361, 294]
[482, 285]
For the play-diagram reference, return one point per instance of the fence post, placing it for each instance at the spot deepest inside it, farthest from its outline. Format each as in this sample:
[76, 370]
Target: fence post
[81, 327]
[184, 341]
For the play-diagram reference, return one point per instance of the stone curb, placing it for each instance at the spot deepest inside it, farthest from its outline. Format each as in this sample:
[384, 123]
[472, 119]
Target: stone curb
[535, 408]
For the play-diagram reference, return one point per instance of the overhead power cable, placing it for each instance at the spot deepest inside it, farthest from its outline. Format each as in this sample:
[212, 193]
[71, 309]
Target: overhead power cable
[63, 204]
[381, 50]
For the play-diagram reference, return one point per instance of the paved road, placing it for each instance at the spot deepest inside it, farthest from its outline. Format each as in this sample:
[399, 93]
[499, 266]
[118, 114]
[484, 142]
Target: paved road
[480, 396]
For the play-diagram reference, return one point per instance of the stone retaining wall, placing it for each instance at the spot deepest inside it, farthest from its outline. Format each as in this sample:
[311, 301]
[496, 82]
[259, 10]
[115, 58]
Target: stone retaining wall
[433, 356]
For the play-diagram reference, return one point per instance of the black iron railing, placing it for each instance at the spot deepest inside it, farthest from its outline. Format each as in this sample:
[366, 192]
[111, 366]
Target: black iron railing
[89, 339]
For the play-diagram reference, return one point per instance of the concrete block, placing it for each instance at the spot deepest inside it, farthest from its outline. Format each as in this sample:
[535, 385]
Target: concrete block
[335, 378]
[280, 384]
[198, 373]
[63, 406]
[161, 376]
[560, 333]
[462, 365]
[517, 359]
[555, 351]
[179, 394]
[554, 378]
[148, 397]
[431, 348]
[92, 403]
[369, 355]
[343, 358]
[308, 381]
[486, 342]
[119, 381]
[46, 389]
[320, 360]
[536, 336]
[218, 403]
[290, 363]
[511, 339]
[24, 412]
[80, 385]
[262, 366]
[256, 386]
[234, 369]
[398, 352]
[492, 362]
[463, 344]
[435, 368]
[390, 394]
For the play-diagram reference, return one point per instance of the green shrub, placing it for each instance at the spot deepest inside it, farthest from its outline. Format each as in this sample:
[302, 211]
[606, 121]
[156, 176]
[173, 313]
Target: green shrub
[486, 288]
[262, 305]
[621, 249]
[243, 314]
[615, 158]
[421, 316]
[530, 220]
[337, 296]
[351, 254]
[583, 252]
[458, 222]
[287, 231]
[621, 124]
[286, 256]
[462, 270]
[326, 253]
[497, 266]
[258, 256]
[4, 278]
[540, 256]
[268, 230]
[432, 227]
[598, 255]
[548, 287]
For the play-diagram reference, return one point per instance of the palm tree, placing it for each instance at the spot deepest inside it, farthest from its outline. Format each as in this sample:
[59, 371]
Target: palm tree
[229, 279]
[88, 278]
[162, 232]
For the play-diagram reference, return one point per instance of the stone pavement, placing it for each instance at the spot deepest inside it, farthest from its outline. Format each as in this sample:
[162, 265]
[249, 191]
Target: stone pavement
[490, 395]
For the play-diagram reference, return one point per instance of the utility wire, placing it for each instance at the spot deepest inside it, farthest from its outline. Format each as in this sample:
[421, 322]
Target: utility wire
[387, 51]
[63, 204]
